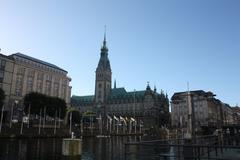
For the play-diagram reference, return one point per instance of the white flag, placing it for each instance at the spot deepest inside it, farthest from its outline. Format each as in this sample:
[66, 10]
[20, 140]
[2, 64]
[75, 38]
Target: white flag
[115, 118]
[99, 118]
[122, 119]
[110, 119]
[132, 119]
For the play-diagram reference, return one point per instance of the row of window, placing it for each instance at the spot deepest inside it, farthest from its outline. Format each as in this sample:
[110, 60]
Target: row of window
[39, 65]
[2, 64]
[48, 86]
[148, 113]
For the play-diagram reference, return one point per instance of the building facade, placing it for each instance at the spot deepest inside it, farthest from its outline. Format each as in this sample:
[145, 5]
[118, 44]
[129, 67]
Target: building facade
[236, 115]
[6, 75]
[208, 111]
[147, 106]
[24, 74]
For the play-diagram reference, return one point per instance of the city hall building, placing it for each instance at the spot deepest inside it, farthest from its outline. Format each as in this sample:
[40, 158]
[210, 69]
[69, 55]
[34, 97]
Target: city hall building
[147, 106]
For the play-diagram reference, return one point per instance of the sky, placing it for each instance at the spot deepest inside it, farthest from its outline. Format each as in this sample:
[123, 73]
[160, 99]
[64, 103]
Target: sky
[167, 43]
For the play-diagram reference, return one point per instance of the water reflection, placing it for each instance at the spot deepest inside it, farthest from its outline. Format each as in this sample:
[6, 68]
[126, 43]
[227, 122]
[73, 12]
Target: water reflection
[51, 149]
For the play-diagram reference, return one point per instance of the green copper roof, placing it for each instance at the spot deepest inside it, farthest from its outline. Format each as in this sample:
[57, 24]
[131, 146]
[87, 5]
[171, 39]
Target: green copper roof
[117, 92]
[117, 95]
[120, 94]
[82, 99]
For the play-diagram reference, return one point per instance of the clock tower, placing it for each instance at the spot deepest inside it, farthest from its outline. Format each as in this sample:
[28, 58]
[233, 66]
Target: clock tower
[103, 80]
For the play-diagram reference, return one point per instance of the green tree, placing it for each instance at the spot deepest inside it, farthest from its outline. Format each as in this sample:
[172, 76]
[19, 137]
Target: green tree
[76, 117]
[39, 101]
[54, 105]
[34, 100]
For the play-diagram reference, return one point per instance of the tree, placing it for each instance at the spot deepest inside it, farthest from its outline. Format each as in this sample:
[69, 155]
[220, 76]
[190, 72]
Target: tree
[2, 97]
[76, 117]
[54, 105]
[39, 101]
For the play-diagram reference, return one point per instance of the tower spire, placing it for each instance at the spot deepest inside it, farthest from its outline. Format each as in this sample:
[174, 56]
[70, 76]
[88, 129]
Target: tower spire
[104, 41]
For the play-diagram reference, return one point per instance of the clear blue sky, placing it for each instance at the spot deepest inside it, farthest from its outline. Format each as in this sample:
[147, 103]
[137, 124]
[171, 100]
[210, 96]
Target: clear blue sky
[167, 43]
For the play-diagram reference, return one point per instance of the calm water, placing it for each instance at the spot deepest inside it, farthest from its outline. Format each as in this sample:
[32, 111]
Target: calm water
[50, 149]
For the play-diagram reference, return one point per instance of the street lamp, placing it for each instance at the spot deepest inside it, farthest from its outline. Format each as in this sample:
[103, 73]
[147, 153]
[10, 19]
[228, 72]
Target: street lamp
[11, 118]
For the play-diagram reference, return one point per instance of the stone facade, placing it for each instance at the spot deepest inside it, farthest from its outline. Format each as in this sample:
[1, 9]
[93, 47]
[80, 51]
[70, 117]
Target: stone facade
[6, 74]
[208, 111]
[236, 115]
[26, 74]
[147, 106]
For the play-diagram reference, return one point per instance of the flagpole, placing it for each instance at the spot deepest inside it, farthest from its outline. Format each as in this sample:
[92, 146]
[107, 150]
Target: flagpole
[40, 119]
[70, 123]
[140, 128]
[29, 109]
[135, 126]
[21, 130]
[101, 125]
[117, 128]
[91, 120]
[110, 126]
[82, 126]
[11, 115]
[107, 124]
[130, 126]
[44, 116]
[113, 125]
[59, 118]
[1, 119]
[55, 123]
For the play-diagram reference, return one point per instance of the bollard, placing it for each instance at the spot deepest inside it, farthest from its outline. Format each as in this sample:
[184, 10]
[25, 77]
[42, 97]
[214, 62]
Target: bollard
[72, 147]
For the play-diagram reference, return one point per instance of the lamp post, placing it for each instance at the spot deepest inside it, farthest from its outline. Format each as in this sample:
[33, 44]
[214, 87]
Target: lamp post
[29, 110]
[134, 111]
[11, 117]
[70, 123]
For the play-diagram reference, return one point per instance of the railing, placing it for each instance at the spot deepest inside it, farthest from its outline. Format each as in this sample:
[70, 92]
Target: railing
[206, 147]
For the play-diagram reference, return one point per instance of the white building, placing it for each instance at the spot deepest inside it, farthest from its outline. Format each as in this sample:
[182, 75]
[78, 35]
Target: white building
[207, 109]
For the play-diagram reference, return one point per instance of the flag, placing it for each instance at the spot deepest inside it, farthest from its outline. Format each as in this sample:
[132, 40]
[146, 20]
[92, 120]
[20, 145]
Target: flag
[122, 119]
[132, 119]
[110, 119]
[115, 118]
[99, 118]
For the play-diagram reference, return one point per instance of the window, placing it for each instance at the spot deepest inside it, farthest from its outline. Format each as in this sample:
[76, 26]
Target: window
[29, 83]
[1, 76]
[56, 89]
[48, 88]
[99, 94]
[63, 91]
[3, 64]
[19, 84]
[39, 85]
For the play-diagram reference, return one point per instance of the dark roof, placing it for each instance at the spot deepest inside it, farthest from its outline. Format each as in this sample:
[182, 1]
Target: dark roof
[195, 92]
[38, 61]
[7, 57]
